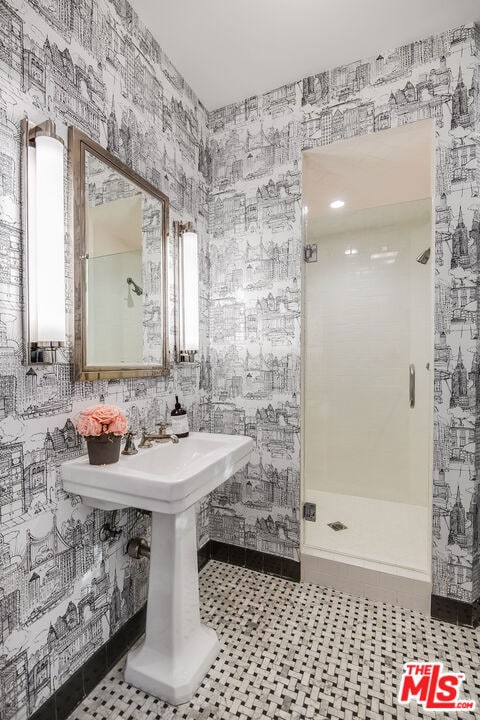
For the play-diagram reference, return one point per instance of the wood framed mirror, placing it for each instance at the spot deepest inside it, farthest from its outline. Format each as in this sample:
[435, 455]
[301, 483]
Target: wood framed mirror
[120, 240]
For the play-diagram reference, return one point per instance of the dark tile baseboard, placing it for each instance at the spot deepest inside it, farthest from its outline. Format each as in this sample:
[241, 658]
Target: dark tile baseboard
[251, 559]
[455, 611]
[80, 684]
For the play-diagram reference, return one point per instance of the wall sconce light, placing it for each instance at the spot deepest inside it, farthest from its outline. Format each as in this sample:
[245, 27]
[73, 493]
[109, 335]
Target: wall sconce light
[186, 281]
[44, 242]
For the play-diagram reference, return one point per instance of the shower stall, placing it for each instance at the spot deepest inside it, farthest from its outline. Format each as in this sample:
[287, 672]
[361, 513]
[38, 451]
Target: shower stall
[367, 434]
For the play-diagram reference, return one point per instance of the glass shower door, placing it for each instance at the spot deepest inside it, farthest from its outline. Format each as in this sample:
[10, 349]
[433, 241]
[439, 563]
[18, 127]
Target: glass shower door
[367, 380]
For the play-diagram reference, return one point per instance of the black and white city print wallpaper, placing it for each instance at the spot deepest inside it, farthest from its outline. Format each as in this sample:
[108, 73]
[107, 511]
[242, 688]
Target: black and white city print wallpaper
[237, 173]
[252, 371]
[64, 591]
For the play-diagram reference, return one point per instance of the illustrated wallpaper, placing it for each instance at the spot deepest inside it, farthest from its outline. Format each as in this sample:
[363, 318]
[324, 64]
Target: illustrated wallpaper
[63, 591]
[235, 172]
[252, 372]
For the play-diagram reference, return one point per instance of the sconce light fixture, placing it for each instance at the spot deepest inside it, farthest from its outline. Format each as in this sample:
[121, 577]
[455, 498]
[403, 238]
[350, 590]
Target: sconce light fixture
[44, 242]
[187, 309]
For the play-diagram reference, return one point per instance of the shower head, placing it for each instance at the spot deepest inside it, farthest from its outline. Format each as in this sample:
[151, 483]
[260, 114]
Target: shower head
[136, 288]
[424, 257]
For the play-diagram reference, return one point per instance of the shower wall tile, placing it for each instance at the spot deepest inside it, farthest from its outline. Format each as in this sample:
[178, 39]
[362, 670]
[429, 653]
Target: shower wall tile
[250, 375]
[63, 592]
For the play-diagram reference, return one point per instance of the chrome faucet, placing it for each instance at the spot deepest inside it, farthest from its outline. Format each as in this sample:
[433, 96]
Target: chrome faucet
[162, 437]
[130, 448]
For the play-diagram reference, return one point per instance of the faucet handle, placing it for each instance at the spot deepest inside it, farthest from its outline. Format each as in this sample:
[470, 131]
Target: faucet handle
[162, 426]
[144, 443]
[130, 448]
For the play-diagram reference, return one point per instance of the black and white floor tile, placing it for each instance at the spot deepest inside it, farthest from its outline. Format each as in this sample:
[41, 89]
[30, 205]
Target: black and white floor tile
[291, 651]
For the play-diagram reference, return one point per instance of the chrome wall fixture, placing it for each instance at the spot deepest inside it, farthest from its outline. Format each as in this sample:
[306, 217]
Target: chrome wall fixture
[424, 257]
[136, 288]
[44, 223]
[186, 292]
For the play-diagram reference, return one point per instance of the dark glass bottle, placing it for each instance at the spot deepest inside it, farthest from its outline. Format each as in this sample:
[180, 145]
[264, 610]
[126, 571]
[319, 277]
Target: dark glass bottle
[179, 420]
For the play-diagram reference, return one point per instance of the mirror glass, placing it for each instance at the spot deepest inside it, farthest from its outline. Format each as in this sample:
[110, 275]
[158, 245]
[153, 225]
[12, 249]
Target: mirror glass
[121, 275]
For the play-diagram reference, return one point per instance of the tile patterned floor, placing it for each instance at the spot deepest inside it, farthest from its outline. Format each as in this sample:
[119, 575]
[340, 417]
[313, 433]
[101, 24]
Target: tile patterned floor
[291, 651]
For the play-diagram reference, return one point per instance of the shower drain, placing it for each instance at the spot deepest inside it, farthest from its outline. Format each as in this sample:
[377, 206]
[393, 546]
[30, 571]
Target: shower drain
[337, 525]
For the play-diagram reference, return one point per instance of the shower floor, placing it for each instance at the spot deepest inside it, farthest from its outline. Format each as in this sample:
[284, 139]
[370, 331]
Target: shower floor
[379, 531]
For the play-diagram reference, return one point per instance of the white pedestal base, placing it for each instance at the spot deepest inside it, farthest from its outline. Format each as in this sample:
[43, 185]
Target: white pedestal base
[178, 650]
[155, 674]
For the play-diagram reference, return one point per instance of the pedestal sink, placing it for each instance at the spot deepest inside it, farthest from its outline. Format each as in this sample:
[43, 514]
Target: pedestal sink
[167, 479]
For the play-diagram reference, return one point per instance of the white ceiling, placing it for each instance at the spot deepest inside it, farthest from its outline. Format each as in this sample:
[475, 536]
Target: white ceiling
[386, 168]
[228, 50]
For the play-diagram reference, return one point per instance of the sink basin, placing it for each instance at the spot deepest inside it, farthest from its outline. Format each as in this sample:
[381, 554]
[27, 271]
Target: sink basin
[167, 479]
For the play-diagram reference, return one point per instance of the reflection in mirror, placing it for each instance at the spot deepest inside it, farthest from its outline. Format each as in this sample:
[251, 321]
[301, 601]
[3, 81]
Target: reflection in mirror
[124, 262]
[120, 231]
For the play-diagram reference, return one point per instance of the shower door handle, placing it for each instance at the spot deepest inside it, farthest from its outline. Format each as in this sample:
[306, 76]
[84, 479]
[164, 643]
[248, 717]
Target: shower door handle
[411, 385]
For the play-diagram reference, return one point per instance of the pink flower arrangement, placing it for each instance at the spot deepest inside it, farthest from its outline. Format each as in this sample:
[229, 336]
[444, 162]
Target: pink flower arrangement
[102, 420]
